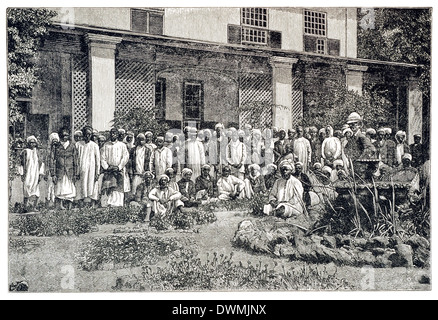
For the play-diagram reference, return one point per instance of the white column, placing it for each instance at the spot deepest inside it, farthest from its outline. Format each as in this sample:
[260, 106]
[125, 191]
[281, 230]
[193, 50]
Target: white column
[415, 110]
[102, 79]
[282, 91]
[355, 77]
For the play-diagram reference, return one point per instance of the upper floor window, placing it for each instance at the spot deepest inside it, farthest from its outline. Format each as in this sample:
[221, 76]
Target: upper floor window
[254, 25]
[147, 21]
[315, 23]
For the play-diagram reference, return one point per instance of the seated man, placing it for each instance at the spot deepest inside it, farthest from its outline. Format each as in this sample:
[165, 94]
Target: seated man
[187, 188]
[143, 191]
[170, 172]
[271, 175]
[407, 174]
[205, 185]
[229, 186]
[165, 200]
[305, 181]
[255, 182]
[286, 196]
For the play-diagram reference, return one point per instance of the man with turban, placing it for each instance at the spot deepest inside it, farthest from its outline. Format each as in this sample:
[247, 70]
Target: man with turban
[32, 170]
[194, 153]
[302, 149]
[141, 162]
[402, 146]
[113, 157]
[53, 142]
[236, 155]
[331, 148]
[187, 188]
[89, 168]
[230, 187]
[255, 182]
[161, 158]
[165, 200]
[205, 184]
[286, 196]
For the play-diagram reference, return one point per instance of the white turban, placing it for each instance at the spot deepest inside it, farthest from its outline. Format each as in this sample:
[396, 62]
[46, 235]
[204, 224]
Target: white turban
[186, 171]
[31, 138]
[53, 136]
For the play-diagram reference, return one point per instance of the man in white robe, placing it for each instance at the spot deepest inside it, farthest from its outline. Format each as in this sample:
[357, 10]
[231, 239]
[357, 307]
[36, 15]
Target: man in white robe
[32, 170]
[286, 196]
[331, 148]
[236, 155]
[161, 158]
[194, 153]
[89, 168]
[141, 162]
[229, 186]
[165, 200]
[113, 158]
[302, 149]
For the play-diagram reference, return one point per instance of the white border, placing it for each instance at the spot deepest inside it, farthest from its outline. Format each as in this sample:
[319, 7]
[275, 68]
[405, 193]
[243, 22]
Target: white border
[410, 295]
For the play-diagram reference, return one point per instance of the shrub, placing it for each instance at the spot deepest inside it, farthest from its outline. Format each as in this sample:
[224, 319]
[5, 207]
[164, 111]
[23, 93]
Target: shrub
[185, 219]
[126, 251]
[219, 272]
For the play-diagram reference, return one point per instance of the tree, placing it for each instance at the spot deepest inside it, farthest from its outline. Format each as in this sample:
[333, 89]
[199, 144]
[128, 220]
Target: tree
[332, 107]
[399, 35]
[26, 29]
[140, 120]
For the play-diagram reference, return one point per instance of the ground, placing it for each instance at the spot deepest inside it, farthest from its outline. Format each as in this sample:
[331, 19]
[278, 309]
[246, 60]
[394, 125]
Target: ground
[52, 267]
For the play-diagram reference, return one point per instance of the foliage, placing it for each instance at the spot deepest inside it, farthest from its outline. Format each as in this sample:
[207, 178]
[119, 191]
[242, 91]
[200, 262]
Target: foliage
[185, 219]
[125, 251]
[332, 107]
[219, 272]
[25, 245]
[26, 28]
[140, 120]
[77, 221]
[399, 35]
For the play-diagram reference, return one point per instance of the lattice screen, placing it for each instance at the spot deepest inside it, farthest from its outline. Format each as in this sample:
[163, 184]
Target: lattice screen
[81, 110]
[135, 85]
[297, 102]
[256, 88]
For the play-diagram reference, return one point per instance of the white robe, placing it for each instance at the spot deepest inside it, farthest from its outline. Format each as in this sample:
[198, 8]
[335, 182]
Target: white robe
[33, 171]
[236, 154]
[89, 167]
[331, 148]
[170, 194]
[303, 151]
[195, 156]
[162, 159]
[229, 185]
[288, 194]
[115, 154]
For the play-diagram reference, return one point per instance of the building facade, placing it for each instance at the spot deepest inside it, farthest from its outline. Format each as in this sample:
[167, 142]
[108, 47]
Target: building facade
[201, 66]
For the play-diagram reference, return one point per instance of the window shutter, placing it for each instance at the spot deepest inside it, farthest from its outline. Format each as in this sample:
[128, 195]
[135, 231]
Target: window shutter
[310, 44]
[139, 20]
[274, 39]
[234, 34]
[155, 23]
[334, 47]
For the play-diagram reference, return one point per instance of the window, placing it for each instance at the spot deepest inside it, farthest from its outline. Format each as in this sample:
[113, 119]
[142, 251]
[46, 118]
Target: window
[160, 99]
[315, 23]
[320, 46]
[147, 21]
[254, 25]
[193, 100]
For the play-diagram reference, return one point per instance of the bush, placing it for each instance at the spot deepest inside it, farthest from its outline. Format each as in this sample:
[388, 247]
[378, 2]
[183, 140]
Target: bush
[77, 221]
[219, 272]
[185, 219]
[126, 251]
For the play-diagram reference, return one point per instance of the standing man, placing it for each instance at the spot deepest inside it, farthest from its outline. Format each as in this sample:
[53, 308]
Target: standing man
[89, 168]
[402, 146]
[280, 145]
[140, 159]
[161, 158]
[113, 158]
[236, 155]
[331, 148]
[302, 149]
[65, 170]
[417, 152]
[194, 153]
[221, 147]
[33, 170]
[149, 137]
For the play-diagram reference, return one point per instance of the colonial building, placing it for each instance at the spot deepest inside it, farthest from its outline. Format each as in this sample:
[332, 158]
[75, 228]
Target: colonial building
[201, 65]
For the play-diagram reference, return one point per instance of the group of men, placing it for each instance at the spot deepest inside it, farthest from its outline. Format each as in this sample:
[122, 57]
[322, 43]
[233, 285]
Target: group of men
[192, 167]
